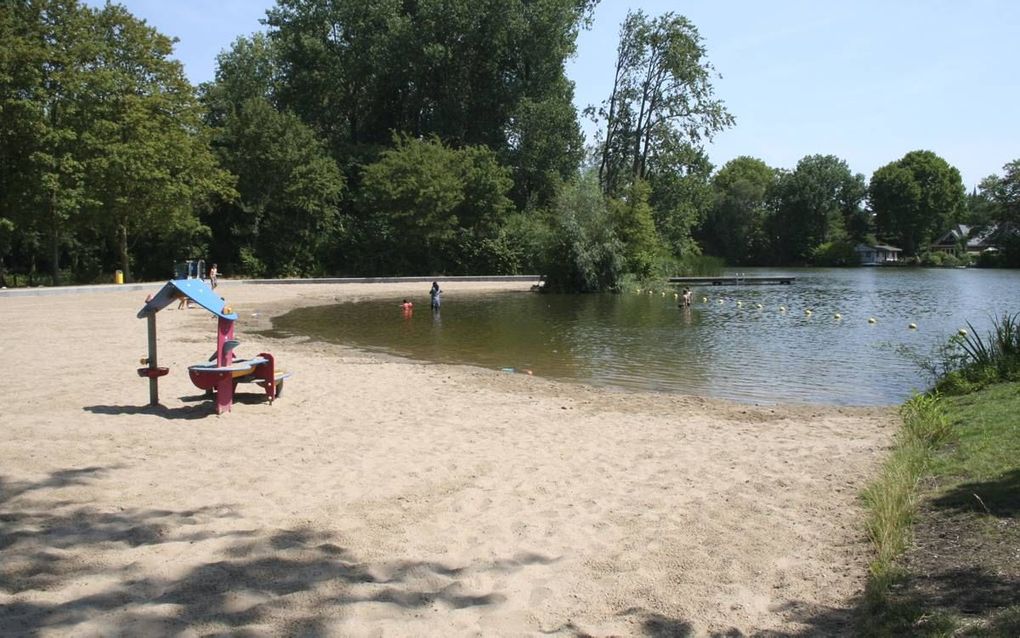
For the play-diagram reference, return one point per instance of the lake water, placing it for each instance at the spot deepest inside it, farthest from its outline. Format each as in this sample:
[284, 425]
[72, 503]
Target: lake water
[724, 346]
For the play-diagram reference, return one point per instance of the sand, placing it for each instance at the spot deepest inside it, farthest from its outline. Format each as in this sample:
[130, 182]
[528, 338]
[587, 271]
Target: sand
[388, 497]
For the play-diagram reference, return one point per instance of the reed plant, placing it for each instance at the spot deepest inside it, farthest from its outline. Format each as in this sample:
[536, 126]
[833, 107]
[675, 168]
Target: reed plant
[969, 361]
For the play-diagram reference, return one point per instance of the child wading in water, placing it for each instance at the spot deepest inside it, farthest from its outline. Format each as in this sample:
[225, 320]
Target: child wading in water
[434, 294]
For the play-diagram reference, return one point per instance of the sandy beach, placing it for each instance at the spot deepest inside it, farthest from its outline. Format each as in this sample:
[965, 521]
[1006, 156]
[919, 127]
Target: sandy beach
[388, 497]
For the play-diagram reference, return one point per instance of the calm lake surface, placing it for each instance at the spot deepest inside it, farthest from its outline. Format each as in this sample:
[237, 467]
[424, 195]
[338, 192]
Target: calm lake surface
[724, 347]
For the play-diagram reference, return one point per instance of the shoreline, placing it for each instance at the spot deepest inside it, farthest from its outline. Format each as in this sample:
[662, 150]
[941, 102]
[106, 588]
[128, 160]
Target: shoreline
[386, 494]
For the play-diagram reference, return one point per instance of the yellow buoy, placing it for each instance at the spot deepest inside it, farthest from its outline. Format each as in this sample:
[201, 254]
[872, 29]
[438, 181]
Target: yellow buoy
[962, 332]
[871, 320]
[704, 300]
[676, 296]
[913, 326]
[807, 311]
[782, 308]
[721, 301]
[637, 290]
[650, 291]
[759, 306]
[837, 316]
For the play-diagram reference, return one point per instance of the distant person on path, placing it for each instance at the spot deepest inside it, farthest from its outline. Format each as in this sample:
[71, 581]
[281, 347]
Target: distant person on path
[214, 274]
[435, 295]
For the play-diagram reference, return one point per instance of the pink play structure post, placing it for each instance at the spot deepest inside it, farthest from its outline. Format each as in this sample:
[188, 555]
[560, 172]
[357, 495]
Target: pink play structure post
[225, 387]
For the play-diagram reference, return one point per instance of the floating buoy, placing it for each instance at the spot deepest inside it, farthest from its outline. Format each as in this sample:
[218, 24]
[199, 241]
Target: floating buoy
[637, 290]
[837, 316]
[807, 311]
[663, 293]
[962, 332]
[650, 291]
[782, 308]
[676, 296]
[704, 300]
[721, 301]
[871, 320]
[759, 306]
[740, 303]
[913, 326]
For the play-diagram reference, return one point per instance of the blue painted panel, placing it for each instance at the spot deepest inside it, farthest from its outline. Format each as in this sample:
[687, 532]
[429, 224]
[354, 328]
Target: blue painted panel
[195, 289]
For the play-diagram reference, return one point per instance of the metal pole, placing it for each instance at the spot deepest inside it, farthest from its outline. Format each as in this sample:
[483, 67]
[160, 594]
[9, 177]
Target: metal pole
[153, 381]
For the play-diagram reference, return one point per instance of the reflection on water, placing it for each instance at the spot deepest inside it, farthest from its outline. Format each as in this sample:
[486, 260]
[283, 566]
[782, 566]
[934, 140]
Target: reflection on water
[726, 347]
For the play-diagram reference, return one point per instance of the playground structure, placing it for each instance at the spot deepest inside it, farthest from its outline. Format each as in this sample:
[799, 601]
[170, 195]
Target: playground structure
[223, 372]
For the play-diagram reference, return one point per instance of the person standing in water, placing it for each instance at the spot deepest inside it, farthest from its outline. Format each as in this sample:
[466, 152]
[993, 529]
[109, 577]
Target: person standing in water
[434, 294]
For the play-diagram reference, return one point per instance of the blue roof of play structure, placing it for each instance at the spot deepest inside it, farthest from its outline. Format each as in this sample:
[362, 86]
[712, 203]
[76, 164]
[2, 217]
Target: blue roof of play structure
[195, 289]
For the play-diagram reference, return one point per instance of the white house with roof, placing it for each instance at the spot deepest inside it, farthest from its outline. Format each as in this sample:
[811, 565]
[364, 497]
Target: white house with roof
[877, 254]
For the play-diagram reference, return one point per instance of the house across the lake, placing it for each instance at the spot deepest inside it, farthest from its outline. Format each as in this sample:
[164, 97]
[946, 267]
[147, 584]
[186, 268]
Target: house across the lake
[972, 240]
[877, 254]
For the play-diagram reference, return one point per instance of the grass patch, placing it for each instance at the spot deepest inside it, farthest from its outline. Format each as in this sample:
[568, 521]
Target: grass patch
[891, 500]
[944, 516]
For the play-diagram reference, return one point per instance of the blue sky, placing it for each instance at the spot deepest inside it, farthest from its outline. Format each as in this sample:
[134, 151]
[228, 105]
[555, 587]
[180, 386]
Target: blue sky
[866, 80]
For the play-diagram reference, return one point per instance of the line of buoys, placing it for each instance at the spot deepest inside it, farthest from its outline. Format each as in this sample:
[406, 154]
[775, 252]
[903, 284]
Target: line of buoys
[808, 312]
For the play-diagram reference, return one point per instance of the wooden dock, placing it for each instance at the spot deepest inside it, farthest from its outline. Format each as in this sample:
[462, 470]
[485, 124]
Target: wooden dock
[732, 280]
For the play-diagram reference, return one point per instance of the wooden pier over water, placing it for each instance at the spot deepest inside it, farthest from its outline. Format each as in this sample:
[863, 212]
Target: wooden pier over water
[731, 280]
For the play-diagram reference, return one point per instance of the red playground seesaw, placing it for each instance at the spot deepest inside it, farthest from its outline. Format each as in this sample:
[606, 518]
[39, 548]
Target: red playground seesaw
[223, 371]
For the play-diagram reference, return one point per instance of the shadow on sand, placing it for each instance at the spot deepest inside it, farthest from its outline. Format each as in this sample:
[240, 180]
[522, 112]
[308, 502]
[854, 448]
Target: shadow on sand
[292, 580]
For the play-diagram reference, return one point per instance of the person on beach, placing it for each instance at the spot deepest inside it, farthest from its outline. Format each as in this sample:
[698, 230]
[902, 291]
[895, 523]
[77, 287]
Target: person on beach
[435, 295]
[213, 275]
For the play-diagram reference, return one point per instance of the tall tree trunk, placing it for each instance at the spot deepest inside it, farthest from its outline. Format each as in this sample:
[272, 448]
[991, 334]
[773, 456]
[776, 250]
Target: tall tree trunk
[54, 242]
[125, 262]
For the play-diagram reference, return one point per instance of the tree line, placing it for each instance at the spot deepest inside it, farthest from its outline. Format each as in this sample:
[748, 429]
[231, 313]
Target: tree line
[412, 137]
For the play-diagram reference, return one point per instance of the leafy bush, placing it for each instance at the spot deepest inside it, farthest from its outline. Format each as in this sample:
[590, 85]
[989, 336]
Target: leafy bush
[834, 253]
[582, 252]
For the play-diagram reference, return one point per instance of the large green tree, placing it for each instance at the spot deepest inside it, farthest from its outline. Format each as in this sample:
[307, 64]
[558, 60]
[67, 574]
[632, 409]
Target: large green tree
[662, 100]
[46, 47]
[287, 219]
[1004, 192]
[736, 226]
[425, 205]
[915, 198]
[818, 203]
[106, 134]
[287, 215]
[472, 72]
